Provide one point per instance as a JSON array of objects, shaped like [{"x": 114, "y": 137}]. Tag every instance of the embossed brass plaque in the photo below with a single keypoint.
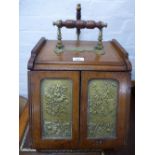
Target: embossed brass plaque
[
  {"x": 56, "y": 100},
  {"x": 102, "y": 108}
]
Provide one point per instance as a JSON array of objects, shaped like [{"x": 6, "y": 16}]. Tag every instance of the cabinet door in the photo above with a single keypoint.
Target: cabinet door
[
  {"x": 54, "y": 109},
  {"x": 104, "y": 109}
]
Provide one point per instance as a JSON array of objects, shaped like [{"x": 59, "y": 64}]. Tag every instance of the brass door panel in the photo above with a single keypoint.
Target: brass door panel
[
  {"x": 102, "y": 107},
  {"x": 56, "y": 100}
]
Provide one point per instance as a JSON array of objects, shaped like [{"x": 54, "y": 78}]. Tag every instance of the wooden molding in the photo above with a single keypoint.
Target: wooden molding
[
  {"x": 123, "y": 53},
  {"x": 35, "y": 51}
]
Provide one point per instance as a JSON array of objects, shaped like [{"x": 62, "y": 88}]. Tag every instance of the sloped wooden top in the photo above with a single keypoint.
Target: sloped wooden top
[{"x": 43, "y": 57}]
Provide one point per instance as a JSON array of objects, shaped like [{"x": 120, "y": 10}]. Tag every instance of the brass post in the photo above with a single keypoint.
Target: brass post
[
  {"x": 59, "y": 42},
  {"x": 100, "y": 38}
]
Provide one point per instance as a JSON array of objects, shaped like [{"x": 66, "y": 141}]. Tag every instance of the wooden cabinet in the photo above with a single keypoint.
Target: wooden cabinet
[{"x": 78, "y": 105}]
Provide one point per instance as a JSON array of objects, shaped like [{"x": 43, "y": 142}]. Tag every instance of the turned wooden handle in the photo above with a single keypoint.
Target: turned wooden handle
[{"x": 80, "y": 24}]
